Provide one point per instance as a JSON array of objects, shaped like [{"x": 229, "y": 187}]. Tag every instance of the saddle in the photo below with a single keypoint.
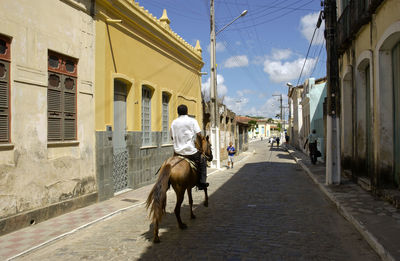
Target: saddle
[{"x": 178, "y": 158}]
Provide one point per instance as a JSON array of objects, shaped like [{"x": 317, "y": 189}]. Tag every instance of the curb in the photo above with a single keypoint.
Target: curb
[
  {"x": 368, "y": 236},
  {"x": 52, "y": 240}
]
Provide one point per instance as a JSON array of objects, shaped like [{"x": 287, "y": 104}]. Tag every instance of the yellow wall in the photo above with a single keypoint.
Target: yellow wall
[{"x": 153, "y": 58}]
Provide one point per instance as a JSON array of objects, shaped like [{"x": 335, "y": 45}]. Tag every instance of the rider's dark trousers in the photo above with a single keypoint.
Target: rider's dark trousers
[{"x": 201, "y": 165}]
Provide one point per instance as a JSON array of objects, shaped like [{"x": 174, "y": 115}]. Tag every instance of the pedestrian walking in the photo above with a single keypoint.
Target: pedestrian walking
[
  {"x": 312, "y": 146},
  {"x": 277, "y": 141},
  {"x": 231, "y": 152}
]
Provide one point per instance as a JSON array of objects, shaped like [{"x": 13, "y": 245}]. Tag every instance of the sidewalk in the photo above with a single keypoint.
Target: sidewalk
[
  {"x": 376, "y": 220},
  {"x": 36, "y": 236}
]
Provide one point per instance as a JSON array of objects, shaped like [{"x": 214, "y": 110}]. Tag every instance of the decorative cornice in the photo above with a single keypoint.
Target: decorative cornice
[{"x": 160, "y": 26}]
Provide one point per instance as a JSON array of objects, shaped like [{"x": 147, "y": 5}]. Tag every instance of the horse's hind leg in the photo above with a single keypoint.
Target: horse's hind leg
[
  {"x": 189, "y": 191},
  {"x": 179, "y": 199},
  {"x": 156, "y": 239},
  {"x": 205, "y": 198}
]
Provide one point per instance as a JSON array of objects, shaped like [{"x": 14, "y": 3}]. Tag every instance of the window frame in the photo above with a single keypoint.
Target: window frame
[
  {"x": 165, "y": 134},
  {"x": 5, "y": 111},
  {"x": 67, "y": 114},
  {"x": 146, "y": 90}
]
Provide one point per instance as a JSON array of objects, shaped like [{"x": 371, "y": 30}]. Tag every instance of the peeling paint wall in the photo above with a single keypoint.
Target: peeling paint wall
[{"x": 33, "y": 174}]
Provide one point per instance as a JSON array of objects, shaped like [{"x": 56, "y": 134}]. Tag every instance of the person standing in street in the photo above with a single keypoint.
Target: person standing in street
[
  {"x": 277, "y": 141},
  {"x": 312, "y": 145},
  {"x": 231, "y": 152},
  {"x": 184, "y": 131}
]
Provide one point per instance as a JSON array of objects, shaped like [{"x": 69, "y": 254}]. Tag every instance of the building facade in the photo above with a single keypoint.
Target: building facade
[
  {"x": 47, "y": 144},
  {"x": 231, "y": 130},
  {"x": 313, "y": 98},
  {"x": 295, "y": 130},
  {"x": 369, "y": 69},
  {"x": 143, "y": 72}
]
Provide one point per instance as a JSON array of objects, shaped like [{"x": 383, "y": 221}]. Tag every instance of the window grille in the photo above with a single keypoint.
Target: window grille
[
  {"x": 146, "y": 116},
  {"x": 165, "y": 118},
  {"x": 61, "y": 98}
]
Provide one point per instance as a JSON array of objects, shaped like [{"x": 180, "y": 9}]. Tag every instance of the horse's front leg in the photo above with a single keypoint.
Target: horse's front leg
[
  {"x": 180, "y": 193},
  {"x": 205, "y": 197},
  {"x": 189, "y": 191}
]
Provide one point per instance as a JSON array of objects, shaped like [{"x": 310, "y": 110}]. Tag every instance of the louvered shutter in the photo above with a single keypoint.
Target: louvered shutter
[
  {"x": 69, "y": 126},
  {"x": 4, "y": 99},
  {"x": 54, "y": 107}
]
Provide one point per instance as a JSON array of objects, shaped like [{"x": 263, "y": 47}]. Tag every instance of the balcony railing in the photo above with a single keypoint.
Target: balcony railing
[{"x": 356, "y": 14}]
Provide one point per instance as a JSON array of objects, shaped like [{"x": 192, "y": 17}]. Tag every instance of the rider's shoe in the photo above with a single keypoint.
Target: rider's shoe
[{"x": 202, "y": 186}]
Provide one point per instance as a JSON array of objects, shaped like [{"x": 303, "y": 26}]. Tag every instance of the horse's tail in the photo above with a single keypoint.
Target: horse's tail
[{"x": 157, "y": 198}]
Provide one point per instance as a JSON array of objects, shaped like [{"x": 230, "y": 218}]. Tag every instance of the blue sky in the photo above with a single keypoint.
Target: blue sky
[{"x": 256, "y": 55}]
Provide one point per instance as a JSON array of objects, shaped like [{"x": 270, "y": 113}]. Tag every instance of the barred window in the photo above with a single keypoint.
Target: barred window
[
  {"x": 165, "y": 118},
  {"x": 5, "y": 57},
  {"x": 146, "y": 116},
  {"x": 61, "y": 98}
]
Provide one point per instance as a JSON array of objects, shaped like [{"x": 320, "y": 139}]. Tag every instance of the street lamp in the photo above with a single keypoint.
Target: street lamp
[{"x": 213, "y": 86}]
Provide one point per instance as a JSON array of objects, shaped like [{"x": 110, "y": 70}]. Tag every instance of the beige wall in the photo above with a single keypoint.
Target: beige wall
[{"x": 34, "y": 174}]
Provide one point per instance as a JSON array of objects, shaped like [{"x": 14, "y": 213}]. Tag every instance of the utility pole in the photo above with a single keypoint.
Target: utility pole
[
  {"x": 214, "y": 95},
  {"x": 333, "y": 165},
  {"x": 280, "y": 99}
]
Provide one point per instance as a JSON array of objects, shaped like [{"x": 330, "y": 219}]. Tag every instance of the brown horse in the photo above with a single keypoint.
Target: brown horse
[{"x": 176, "y": 172}]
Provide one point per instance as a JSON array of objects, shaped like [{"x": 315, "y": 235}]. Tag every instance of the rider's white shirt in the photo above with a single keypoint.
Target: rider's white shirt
[{"x": 183, "y": 132}]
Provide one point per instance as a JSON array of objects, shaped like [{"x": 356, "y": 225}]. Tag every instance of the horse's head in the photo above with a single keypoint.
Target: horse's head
[{"x": 205, "y": 148}]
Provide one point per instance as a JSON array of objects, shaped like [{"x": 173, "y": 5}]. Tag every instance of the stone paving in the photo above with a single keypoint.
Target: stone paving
[
  {"x": 266, "y": 208},
  {"x": 378, "y": 221}
]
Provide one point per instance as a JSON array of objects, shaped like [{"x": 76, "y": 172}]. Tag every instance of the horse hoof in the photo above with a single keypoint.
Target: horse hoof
[
  {"x": 193, "y": 217},
  {"x": 183, "y": 226},
  {"x": 156, "y": 240},
  {"x": 205, "y": 203}
]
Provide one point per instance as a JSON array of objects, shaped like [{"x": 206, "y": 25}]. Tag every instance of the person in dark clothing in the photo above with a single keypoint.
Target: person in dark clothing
[
  {"x": 277, "y": 141},
  {"x": 312, "y": 146}
]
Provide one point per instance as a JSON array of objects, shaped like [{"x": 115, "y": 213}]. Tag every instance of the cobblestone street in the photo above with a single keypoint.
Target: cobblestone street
[{"x": 266, "y": 208}]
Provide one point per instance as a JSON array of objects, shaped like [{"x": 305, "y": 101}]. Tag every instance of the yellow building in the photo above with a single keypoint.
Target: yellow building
[
  {"x": 143, "y": 72},
  {"x": 369, "y": 68}
]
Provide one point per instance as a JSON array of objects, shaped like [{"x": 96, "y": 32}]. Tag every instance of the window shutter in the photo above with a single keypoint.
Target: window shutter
[
  {"x": 54, "y": 107},
  {"x": 69, "y": 84},
  {"x": 61, "y": 98},
  {"x": 4, "y": 101}
]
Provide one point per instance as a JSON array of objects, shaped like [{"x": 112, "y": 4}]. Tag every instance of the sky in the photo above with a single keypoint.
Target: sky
[{"x": 256, "y": 55}]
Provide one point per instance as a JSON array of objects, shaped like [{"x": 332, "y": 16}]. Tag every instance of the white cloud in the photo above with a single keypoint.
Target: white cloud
[
  {"x": 222, "y": 89},
  {"x": 219, "y": 47},
  {"x": 258, "y": 60},
  {"x": 281, "y": 54},
  {"x": 279, "y": 71},
  {"x": 307, "y": 27},
  {"x": 237, "y": 61}
]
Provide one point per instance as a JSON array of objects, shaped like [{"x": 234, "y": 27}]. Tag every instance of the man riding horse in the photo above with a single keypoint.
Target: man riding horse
[{"x": 184, "y": 131}]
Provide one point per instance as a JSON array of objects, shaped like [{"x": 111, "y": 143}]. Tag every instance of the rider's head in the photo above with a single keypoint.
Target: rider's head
[
  {"x": 182, "y": 110},
  {"x": 314, "y": 131}
]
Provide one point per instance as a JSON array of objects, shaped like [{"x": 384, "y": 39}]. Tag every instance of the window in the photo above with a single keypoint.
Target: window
[
  {"x": 61, "y": 98},
  {"x": 5, "y": 89},
  {"x": 165, "y": 118},
  {"x": 146, "y": 116}
]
